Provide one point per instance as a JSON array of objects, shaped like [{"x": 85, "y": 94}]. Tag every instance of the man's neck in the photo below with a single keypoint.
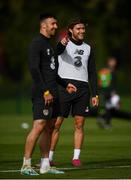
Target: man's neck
[
  {"x": 44, "y": 33},
  {"x": 77, "y": 42}
]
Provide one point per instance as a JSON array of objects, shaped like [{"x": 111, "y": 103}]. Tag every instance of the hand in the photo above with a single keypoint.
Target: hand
[
  {"x": 48, "y": 98},
  {"x": 71, "y": 88},
  {"x": 95, "y": 101},
  {"x": 65, "y": 41}
]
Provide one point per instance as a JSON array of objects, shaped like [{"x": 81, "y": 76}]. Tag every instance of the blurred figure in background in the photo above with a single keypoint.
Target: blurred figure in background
[{"x": 110, "y": 99}]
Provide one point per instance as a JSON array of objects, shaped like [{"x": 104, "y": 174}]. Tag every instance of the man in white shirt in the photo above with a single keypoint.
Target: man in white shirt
[{"x": 76, "y": 65}]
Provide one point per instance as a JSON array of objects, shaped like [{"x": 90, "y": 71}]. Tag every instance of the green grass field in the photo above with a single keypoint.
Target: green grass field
[{"x": 105, "y": 154}]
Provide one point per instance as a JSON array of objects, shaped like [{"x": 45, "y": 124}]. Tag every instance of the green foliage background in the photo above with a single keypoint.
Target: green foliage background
[{"x": 109, "y": 31}]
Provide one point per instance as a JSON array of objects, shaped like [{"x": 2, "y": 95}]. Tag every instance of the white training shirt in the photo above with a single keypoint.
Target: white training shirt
[{"x": 71, "y": 54}]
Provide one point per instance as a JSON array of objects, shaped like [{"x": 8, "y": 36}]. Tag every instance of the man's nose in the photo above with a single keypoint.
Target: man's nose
[{"x": 56, "y": 26}]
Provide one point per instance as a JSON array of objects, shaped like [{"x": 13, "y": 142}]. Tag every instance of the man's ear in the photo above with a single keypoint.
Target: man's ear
[
  {"x": 70, "y": 30},
  {"x": 43, "y": 25}
]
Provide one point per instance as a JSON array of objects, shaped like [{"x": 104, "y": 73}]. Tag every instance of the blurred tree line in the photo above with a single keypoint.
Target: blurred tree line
[{"x": 109, "y": 31}]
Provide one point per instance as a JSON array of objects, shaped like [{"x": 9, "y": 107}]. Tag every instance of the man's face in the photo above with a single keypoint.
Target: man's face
[
  {"x": 112, "y": 62},
  {"x": 50, "y": 25},
  {"x": 78, "y": 32}
]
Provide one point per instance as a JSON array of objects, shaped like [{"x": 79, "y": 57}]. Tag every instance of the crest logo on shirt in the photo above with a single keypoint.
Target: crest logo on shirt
[
  {"x": 45, "y": 112},
  {"x": 48, "y": 52},
  {"x": 52, "y": 64}
]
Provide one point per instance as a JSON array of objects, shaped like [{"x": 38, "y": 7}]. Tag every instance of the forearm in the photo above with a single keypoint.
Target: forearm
[
  {"x": 60, "y": 48},
  {"x": 93, "y": 83},
  {"x": 37, "y": 79},
  {"x": 92, "y": 75}
]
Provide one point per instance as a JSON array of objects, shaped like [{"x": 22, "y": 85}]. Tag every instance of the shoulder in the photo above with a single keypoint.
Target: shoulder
[
  {"x": 70, "y": 43},
  {"x": 91, "y": 47},
  {"x": 104, "y": 70},
  {"x": 36, "y": 42},
  {"x": 70, "y": 46},
  {"x": 87, "y": 45}
]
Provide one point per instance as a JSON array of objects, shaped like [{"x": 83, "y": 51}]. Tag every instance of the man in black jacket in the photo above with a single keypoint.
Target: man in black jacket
[{"x": 43, "y": 68}]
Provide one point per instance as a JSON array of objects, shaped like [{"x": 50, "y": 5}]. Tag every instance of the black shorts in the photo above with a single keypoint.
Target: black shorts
[
  {"x": 77, "y": 103},
  {"x": 42, "y": 111}
]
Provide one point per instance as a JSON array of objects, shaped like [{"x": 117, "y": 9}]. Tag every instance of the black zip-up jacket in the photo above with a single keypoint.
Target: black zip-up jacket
[{"x": 43, "y": 67}]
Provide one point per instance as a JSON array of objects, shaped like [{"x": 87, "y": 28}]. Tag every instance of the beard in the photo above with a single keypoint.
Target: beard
[
  {"x": 52, "y": 32},
  {"x": 78, "y": 37}
]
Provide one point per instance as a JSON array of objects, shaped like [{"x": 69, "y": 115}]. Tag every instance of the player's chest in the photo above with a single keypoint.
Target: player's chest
[
  {"x": 47, "y": 58},
  {"x": 78, "y": 52}
]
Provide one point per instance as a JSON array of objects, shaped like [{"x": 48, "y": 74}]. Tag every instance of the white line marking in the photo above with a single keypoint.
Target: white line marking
[
  {"x": 97, "y": 167},
  {"x": 73, "y": 168},
  {"x": 11, "y": 170}
]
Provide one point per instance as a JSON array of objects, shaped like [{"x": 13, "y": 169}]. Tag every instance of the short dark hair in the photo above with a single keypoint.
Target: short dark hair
[
  {"x": 75, "y": 21},
  {"x": 44, "y": 16}
]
